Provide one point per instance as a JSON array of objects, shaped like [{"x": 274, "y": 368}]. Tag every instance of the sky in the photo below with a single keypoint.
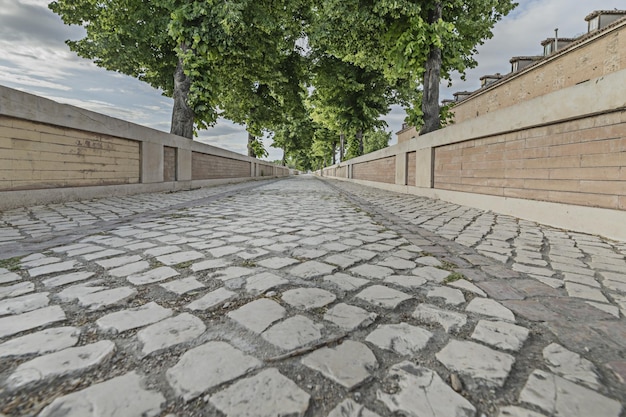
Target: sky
[{"x": 35, "y": 59}]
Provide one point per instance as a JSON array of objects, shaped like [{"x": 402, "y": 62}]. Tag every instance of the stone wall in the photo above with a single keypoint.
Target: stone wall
[
  {"x": 559, "y": 159},
  {"x": 51, "y": 152}
]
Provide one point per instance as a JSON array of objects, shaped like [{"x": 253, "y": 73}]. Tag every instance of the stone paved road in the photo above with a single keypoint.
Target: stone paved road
[{"x": 304, "y": 297}]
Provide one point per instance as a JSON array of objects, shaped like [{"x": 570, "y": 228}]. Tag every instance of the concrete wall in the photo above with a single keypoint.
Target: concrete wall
[
  {"x": 51, "y": 152},
  {"x": 558, "y": 159}
]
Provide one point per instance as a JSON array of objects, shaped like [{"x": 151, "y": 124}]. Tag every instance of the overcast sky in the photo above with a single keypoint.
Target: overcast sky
[{"x": 35, "y": 59}]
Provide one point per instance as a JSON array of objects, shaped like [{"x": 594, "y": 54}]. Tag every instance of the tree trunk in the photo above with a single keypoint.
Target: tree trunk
[
  {"x": 342, "y": 146},
  {"x": 359, "y": 138},
  {"x": 250, "y": 148},
  {"x": 283, "y": 162},
  {"x": 432, "y": 75},
  {"x": 334, "y": 143},
  {"x": 182, "y": 114}
]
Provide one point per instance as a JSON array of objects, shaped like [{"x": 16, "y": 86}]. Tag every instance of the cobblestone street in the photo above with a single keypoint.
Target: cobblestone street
[{"x": 305, "y": 297}]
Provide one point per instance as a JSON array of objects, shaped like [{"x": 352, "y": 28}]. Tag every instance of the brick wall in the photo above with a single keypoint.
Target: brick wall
[
  {"x": 580, "y": 162},
  {"x": 169, "y": 163},
  {"x": 37, "y": 155},
  {"x": 599, "y": 55},
  {"x": 379, "y": 170},
  {"x": 205, "y": 166}
]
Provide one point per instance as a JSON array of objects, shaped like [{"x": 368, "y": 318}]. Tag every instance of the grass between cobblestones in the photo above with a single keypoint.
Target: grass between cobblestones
[
  {"x": 183, "y": 265},
  {"x": 447, "y": 266},
  {"x": 455, "y": 276},
  {"x": 11, "y": 264}
]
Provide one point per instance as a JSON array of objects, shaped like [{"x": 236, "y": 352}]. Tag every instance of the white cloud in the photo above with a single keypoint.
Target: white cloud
[
  {"x": 226, "y": 135},
  {"x": 40, "y": 3},
  {"x": 103, "y": 90},
  {"x": 17, "y": 77}
]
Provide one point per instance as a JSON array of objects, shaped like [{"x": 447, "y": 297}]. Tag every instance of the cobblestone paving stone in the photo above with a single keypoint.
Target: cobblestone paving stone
[{"x": 305, "y": 297}]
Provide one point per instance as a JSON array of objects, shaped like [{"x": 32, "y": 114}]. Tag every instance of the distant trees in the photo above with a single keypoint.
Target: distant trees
[
  {"x": 306, "y": 73},
  {"x": 349, "y": 99}
]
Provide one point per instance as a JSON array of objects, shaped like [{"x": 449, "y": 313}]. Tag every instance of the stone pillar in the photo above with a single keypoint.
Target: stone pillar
[
  {"x": 151, "y": 162},
  {"x": 183, "y": 165},
  {"x": 401, "y": 168},
  {"x": 424, "y": 168}
]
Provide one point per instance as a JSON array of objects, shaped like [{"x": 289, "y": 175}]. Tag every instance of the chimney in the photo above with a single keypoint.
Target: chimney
[
  {"x": 518, "y": 63},
  {"x": 600, "y": 19},
  {"x": 486, "y": 80},
  {"x": 461, "y": 95}
]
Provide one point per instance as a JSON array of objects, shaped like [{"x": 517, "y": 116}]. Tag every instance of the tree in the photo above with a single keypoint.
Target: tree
[
  {"x": 293, "y": 135},
  {"x": 195, "y": 51},
  {"x": 268, "y": 100},
  {"x": 323, "y": 148},
  {"x": 421, "y": 41},
  {"x": 349, "y": 99},
  {"x": 244, "y": 59},
  {"x": 131, "y": 37},
  {"x": 251, "y": 48},
  {"x": 375, "y": 140}
]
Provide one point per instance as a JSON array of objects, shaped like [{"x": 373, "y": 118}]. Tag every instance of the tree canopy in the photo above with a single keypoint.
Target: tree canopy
[
  {"x": 409, "y": 39},
  {"x": 305, "y": 73}
]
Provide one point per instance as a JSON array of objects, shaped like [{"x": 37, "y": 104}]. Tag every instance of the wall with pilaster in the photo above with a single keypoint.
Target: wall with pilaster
[
  {"x": 51, "y": 152},
  {"x": 559, "y": 159}
]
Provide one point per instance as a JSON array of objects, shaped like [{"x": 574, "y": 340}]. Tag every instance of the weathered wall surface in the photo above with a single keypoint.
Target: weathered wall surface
[
  {"x": 35, "y": 155},
  {"x": 51, "y": 152}
]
